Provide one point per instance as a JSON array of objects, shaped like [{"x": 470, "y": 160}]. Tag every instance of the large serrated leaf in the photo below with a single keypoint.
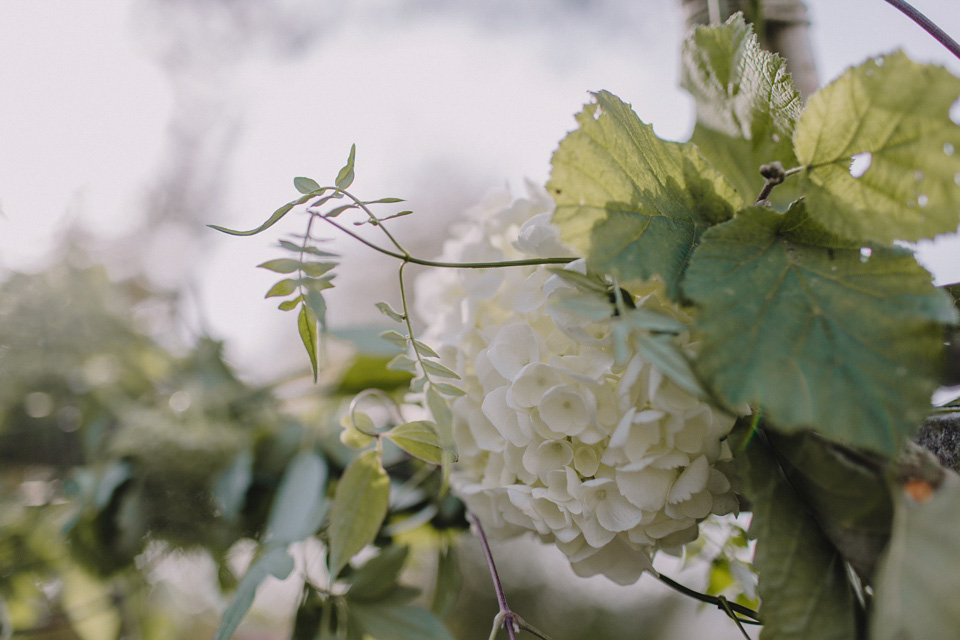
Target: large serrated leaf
[
  {"x": 805, "y": 326},
  {"x": 747, "y": 106},
  {"x": 918, "y": 581},
  {"x": 633, "y": 204},
  {"x": 359, "y": 507},
  {"x": 804, "y": 593},
  {"x": 297, "y": 508},
  {"x": 275, "y": 562},
  {"x": 898, "y": 112}
]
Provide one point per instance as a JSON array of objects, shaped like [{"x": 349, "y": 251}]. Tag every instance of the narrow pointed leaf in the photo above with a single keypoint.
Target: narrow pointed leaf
[
  {"x": 280, "y": 265},
  {"x": 333, "y": 213},
  {"x": 385, "y": 201},
  {"x": 317, "y": 269},
  {"x": 425, "y": 350},
  {"x": 277, "y": 563},
  {"x": 286, "y": 244},
  {"x": 401, "y": 362},
  {"x": 298, "y": 501},
  {"x": 289, "y": 305},
  {"x": 359, "y": 507},
  {"x": 448, "y": 581},
  {"x": 345, "y": 177},
  {"x": 420, "y": 439},
  {"x": 282, "y": 288},
  {"x": 447, "y": 389},
  {"x": 898, "y": 112},
  {"x": 438, "y": 369},
  {"x": 665, "y": 355},
  {"x": 272, "y": 220},
  {"x": 307, "y": 326},
  {"x": 306, "y": 185},
  {"x": 804, "y": 325},
  {"x": 395, "y": 337},
  {"x": 634, "y": 205}
]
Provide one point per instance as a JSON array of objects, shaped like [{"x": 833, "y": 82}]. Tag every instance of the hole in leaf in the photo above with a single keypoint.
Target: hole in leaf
[
  {"x": 865, "y": 253},
  {"x": 861, "y": 162},
  {"x": 918, "y": 175},
  {"x": 948, "y": 148},
  {"x": 922, "y": 200},
  {"x": 776, "y": 137}
]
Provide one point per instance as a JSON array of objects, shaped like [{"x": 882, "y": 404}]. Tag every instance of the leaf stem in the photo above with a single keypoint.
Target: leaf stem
[
  {"x": 754, "y": 617},
  {"x": 506, "y": 617},
  {"x": 927, "y": 25}
]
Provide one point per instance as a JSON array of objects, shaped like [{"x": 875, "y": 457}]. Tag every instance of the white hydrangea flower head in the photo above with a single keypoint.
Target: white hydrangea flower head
[{"x": 608, "y": 461}]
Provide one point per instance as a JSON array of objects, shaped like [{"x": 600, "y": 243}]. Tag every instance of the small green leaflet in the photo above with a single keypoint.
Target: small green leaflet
[
  {"x": 804, "y": 593},
  {"x": 918, "y": 582},
  {"x": 306, "y": 186},
  {"x": 298, "y": 505},
  {"x": 280, "y": 265},
  {"x": 282, "y": 288},
  {"x": 898, "y": 112},
  {"x": 359, "y": 507},
  {"x": 307, "y": 326},
  {"x": 815, "y": 332},
  {"x": 419, "y": 438},
  {"x": 345, "y": 177},
  {"x": 275, "y": 562},
  {"x": 633, "y": 204},
  {"x": 747, "y": 106},
  {"x": 446, "y": 588},
  {"x": 272, "y": 220}
]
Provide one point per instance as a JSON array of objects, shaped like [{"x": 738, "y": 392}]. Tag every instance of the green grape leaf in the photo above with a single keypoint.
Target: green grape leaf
[
  {"x": 804, "y": 592},
  {"x": 345, "y": 176},
  {"x": 281, "y": 265},
  {"x": 306, "y": 185},
  {"x": 307, "y": 325},
  {"x": 898, "y": 112},
  {"x": 272, "y": 220},
  {"x": 747, "y": 106},
  {"x": 282, "y": 288},
  {"x": 399, "y": 623},
  {"x": 378, "y": 576},
  {"x": 298, "y": 505},
  {"x": 359, "y": 507},
  {"x": 815, "y": 332},
  {"x": 634, "y": 205},
  {"x": 844, "y": 490},
  {"x": 275, "y": 562},
  {"x": 419, "y": 438},
  {"x": 918, "y": 582}
]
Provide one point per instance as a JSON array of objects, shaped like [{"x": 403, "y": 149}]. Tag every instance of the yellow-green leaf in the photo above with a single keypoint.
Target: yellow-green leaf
[
  {"x": 359, "y": 507},
  {"x": 307, "y": 325},
  {"x": 419, "y": 438}
]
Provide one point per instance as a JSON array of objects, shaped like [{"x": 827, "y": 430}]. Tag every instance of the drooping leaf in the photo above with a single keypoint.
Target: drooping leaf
[
  {"x": 378, "y": 576},
  {"x": 345, "y": 176},
  {"x": 918, "y": 581},
  {"x": 399, "y": 623},
  {"x": 280, "y": 265},
  {"x": 446, "y": 587},
  {"x": 898, "y": 112},
  {"x": 272, "y": 220},
  {"x": 359, "y": 507},
  {"x": 633, "y": 204},
  {"x": 747, "y": 106},
  {"x": 388, "y": 311},
  {"x": 297, "y": 506},
  {"x": 336, "y": 211},
  {"x": 316, "y": 303},
  {"x": 846, "y": 493},
  {"x": 809, "y": 328},
  {"x": 306, "y": 185},
  {"x": 275, "y": 562},
  {"x": 282, "y": 288},
  {"x": 419, "y": 438},
  {"x": 804, "y": 593},
  {"x": 307, "y": 326}
]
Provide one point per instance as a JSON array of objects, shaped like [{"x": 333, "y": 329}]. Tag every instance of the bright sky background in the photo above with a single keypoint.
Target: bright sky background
[{"x": 116, "y": 112}]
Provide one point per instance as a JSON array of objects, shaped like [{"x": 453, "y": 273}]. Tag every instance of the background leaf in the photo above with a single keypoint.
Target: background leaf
[
  {"x": 399, "y": 623},
  {"x": 275, "y": 562},
  {"x": 747, "y": 106},
  {"x": 297, "y": 506},
  {"x": 359, "y": 507},
  {"x": 272, "y": 220},
  {"x": 918, "y": 585},
  {"x": 898, "y": 112},
  {"x": 804, "y": 593},
  {"x": 801, "y": 324},
  {"x": 378, "y": 576},
  {"x": 633, "y": 204}
]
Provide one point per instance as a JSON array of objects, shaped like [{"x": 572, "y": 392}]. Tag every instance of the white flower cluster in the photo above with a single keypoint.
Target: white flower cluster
[{"x": 609, "y": 462}]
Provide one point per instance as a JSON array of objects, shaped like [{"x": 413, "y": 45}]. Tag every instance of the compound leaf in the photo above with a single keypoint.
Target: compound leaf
[
  {"x": 359, "y": 507},
  {"x": 815, "y": 332},
  {"x": 897, "y": 113},
  {"x": 634, "y": 205}
]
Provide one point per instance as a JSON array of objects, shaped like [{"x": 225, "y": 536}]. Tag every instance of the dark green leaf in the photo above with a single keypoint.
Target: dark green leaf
[
  {"x": 307, "y": 325},
  {"x": 399, "y": 623},
  {"x": 419, "y": 439},
  {"x": 282, "y": 288},
  {"x": 275, "y": 562},
  {"x": 388, "y": 311},
  {"x": 306, "y": 185},
  {"x": 898, "y": 112},
  {"x": 747, "y": 106},
  {"x": 272, "y": 220},
  {"x": 345, "y": 177},
  {"x": 298, "y": 503},
  {"x": 378, "y": 576},
  {"x": 805, "y": 326},
  {"x": 281, "y": 265},
  {"x": 916, "y": 594},
  {"x": 633, "y": 204},
  {"x": 359, "y": 507},
  {"x": 804, "y": 592}
]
